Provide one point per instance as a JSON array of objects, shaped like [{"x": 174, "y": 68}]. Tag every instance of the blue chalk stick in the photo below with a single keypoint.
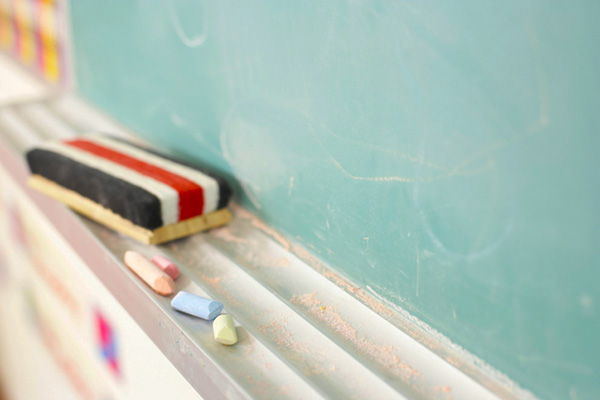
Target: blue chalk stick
[{"x": 197, "y": 306}]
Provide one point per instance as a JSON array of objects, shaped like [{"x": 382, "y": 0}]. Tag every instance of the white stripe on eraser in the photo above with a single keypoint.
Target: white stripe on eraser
[{"x": 209, "y": 184}]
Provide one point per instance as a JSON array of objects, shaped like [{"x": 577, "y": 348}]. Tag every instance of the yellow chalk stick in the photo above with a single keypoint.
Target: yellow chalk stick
[{"x": 224, "y": 330}]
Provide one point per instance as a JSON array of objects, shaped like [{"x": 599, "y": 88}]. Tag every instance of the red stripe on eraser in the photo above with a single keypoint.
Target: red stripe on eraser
[{"x": 191, "y": 195}]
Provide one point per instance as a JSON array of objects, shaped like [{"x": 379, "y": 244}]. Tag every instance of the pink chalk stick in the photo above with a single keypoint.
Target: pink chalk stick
[{"x": 166, "y": 265}]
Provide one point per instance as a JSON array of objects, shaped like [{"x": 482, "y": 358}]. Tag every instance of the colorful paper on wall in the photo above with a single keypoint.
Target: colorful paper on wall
[{"x": 33, "y": 31}]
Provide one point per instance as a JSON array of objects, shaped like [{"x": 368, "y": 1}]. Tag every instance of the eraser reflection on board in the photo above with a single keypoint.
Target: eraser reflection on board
[
  {"x": 197, "y": 306},
  {"x": 166, "y": 265},
  {"x": 224, "y": 330},
  {"x": 159, "y": 281}
]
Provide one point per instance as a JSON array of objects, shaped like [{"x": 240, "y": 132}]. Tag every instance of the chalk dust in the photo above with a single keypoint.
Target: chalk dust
[
  {"x": 213, "y": 282},
  {"x": 308, "y": 299},
  {"x": 308, "y": 361},
  {"x": 265, "y": 389},
  {"x": 280, "y": 335},
  {"x": 225, "y": 234},
  {"x": 359, "y": 293},
  {"x": 445, "y": 391},
  {"x": 243, "y": 214},
  {"x": 301, "y": 252},
  {"x": 383, "y": 354}
]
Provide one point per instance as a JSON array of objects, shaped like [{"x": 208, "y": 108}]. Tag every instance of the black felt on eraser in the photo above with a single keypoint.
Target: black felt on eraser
[{"x": 141, "y": 185}]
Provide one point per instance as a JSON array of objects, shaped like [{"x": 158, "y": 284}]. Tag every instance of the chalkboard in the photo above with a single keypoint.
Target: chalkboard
[{"x": 442, "y": 155}]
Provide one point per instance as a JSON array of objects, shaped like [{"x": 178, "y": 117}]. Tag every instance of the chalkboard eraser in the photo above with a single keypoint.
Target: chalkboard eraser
[{"x": 149, "y": 196}]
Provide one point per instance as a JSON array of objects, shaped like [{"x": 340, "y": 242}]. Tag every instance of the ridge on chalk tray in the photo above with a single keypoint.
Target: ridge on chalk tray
[{"x": 134, "y": 190}]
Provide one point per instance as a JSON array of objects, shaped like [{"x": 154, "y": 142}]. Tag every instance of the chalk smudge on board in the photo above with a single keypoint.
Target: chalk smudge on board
[
  {"x": 291, "y": 186},
  {"x": 189, "y": 41}
]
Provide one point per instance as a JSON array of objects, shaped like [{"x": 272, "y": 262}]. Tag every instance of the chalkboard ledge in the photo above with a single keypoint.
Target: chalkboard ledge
[{"x": 304, "y": 331}]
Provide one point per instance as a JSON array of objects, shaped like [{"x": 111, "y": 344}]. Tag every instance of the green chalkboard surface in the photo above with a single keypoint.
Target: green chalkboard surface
[{"x": 443, "y": 155}]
